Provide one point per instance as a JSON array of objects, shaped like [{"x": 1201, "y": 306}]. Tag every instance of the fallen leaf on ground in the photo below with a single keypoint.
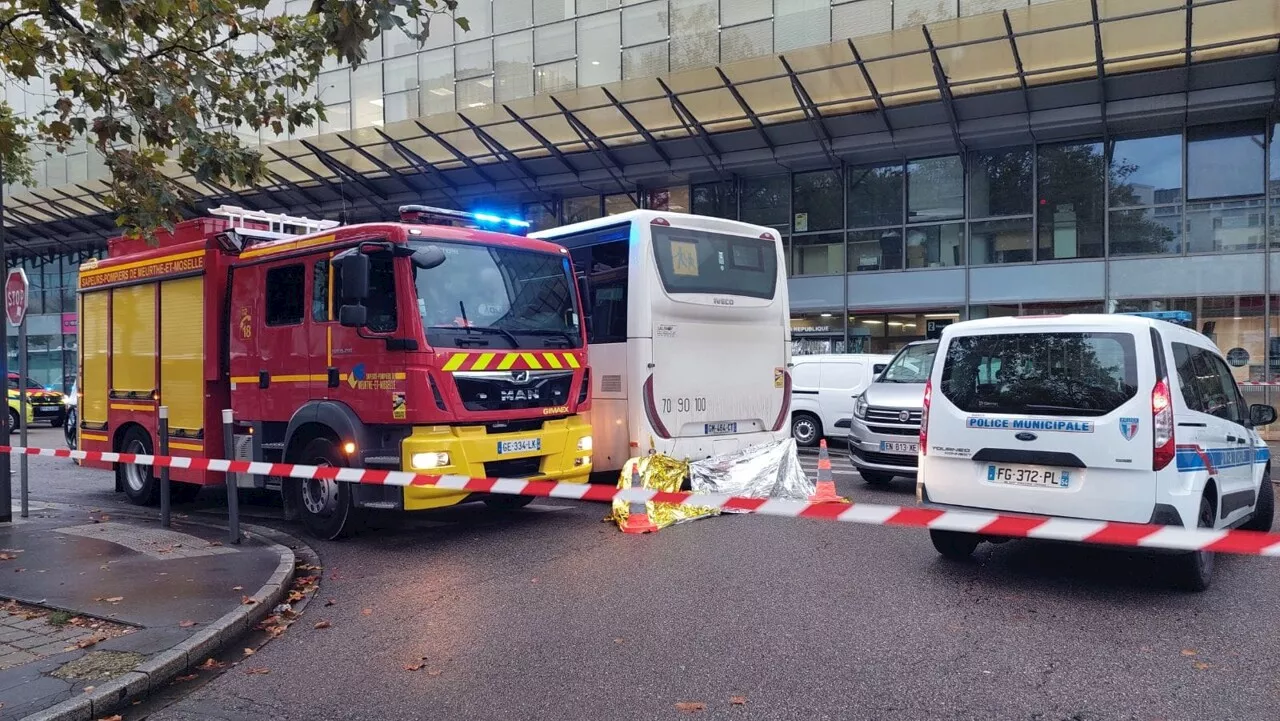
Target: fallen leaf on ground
[
  {"x": 738, "y": 700},
  {"x": 258, "y": 671},
  {"x": 619, "y": 640},
  {"x": 249, "y": 652},
  {"x": 7, "y": 556},
  {"x": 186, "y": 624},
  {"x": 114, "y": 599},
  {"x": 116, "y": 717},
  {"x": 691, "y": 706},
  {"x": 188, "y": 677},
  {"x": 215, "y": 543},
  {"x": 247, "y": 601},
  {"x": 309, "y": 567},
  {"x": 323, "y": 624},
  {"x": 413, "y": 666},
  {"x": 1201, "y": 666},
  {"x": 294, "y": 596},
  {"x": 434, "y": 672},
  {"x": 212, "y": 664},
  {"x": 330, "y": 602},
  {"x": 366, "y": 611},
  {"x": 237, "y": 588},
  {"x": 88, "y": 689},
  {"x": 1188, "y": 652}
]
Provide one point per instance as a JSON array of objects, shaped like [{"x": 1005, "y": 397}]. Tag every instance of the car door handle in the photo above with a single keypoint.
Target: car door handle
[{"x": 1233, "y": 439}]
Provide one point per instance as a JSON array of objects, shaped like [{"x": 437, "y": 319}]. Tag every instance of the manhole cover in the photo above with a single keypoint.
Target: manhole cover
[{"x": 97, "y": 665}]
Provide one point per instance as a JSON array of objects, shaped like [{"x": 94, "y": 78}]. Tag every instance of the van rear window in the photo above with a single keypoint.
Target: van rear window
[{"x": 1047, "y": 374}]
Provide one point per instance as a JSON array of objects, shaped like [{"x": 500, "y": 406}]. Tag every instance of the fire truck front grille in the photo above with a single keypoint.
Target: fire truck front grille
[
  {"x": 514, "y": 468},
  {"x": 513, "y": 390}
]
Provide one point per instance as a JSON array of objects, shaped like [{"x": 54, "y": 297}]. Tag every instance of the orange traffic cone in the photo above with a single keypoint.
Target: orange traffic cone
[
  {"x": 826, "y": 490},
  {"x": 637, "y": 515}
]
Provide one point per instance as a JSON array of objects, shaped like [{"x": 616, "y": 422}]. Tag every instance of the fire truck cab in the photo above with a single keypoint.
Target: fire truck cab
[{"x": 428, "y": 345}]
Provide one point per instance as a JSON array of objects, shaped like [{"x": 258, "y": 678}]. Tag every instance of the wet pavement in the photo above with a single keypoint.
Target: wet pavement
[{"x": 157, "y": 587}]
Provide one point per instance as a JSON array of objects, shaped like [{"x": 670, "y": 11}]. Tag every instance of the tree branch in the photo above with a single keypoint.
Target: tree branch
[{"x": 17, "y": 16}]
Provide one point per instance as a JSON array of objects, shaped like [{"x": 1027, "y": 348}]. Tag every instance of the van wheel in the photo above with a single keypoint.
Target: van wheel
[
  {"x": 138, "y": 481},
  {"x": 806, "y": 429},
  {"x": 1264, "y": 511},
  {"x": 327, "y": 509},
  {"x": 507, "y": 502},
  {"x": 874, "y": 478},
  {"x": 1193, "y": 571},
  {"x": 954, "y": 545}
]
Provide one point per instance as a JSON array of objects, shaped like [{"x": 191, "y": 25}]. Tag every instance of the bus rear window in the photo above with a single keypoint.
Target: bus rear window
[
  {"x": 697, "y": 261},
  {"x": 1050, "y": 374}
]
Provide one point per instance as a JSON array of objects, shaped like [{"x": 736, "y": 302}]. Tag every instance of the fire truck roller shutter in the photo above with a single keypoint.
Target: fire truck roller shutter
[
  {"x": 182, "y": 352},
  {"x": 133, "y": 339},
  {"x": 93, "y": 350}
]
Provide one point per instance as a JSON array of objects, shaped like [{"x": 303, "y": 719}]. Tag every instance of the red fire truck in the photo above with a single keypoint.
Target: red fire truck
[{"x": 431, "y": 344}]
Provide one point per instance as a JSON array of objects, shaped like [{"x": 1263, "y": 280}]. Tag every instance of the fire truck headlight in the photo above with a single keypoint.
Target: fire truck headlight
[
  {"x": 584, "y": 443},
  {"x": 428, "y": 461}
]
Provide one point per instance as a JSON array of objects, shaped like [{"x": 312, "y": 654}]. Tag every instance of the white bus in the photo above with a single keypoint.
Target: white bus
[{"x": 689, "y": 333}]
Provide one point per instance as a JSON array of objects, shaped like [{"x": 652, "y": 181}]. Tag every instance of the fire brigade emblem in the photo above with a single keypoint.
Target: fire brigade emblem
[
  {"x": 356, "y": 375},
  {"x": 246, "y": 323}
]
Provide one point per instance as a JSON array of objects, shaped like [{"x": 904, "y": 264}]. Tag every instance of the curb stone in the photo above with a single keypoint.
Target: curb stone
[{"x": 161, "y": 668}]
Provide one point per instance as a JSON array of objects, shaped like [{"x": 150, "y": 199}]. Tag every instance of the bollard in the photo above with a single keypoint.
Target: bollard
[
  {"x": 23, "y": 405},
  {"x": 233, "y": 493},
  {"x": 165, "y": 492}
]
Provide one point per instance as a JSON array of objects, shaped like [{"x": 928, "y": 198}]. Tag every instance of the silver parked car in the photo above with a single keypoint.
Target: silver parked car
[{"x": 884, "y": 436}]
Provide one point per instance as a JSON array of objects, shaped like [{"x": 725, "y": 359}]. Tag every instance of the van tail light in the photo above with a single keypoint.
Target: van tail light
[
  {"x": 1164, "y": 448},
  {"x": 651, "y": 411},
  {"x": 924, "y": 417}
]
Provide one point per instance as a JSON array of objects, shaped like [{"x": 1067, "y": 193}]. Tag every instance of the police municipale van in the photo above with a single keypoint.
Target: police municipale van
[{"x": 1098, "y": 417}]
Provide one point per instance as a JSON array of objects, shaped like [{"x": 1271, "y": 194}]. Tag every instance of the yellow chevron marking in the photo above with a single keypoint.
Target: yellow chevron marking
[
  {"x": 532, "y": 360},
  {"x": 508, "y": 360},
  {"x": 455, "y": 362},
  {"x": 552, "y": 360},
  {"x": 483, "y": 361},
  {"x": 571, "y": 360}
]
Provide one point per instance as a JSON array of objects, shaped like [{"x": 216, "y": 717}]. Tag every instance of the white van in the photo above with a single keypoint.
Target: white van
[
  {"x": 822, "y": 391},
  {"x": 1099, "y": 417}
]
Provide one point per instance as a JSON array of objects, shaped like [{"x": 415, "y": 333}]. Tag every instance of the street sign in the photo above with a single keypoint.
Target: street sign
[{"x": 15, "y": 296}]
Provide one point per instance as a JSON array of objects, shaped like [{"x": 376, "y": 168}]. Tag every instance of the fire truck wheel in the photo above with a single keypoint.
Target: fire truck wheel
[
  {"x": 138, "y": 481},
  {"x": 506, "y": 502},
  {"x": 326, "y": 506}
]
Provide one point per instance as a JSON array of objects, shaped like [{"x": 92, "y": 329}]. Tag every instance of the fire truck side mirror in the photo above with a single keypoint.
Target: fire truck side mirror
[
  {"x": 353, "y": 316},
  {"x": 428, "y": 257},
  {"x": 355, "y": 277},
  {"x": 584, "y": 292}
]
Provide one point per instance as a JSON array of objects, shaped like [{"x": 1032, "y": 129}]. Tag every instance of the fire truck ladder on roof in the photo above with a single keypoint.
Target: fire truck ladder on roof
[{"x": 278, "y": 225}]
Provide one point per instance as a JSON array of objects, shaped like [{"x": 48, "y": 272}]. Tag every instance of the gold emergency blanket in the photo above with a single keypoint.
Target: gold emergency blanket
[{"x": 659, "y": 473}]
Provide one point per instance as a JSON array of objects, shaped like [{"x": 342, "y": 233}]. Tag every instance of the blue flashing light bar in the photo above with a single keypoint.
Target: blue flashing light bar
[
  {"x": 1181, "y": 317},
  {"x": 445, "y": 216}
]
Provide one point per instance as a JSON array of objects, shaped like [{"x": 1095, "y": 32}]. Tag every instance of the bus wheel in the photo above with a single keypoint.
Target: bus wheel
[
  {"x": 806, "y": 429},
  {"x": 326, "y": 506},
  {"x": 138, "y": 481}
]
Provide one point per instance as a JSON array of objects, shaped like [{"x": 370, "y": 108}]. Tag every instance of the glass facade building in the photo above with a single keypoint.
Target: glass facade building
[{"x": 925, "y": 161}]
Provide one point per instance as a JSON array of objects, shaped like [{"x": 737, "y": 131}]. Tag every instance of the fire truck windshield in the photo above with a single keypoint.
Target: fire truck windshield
[{"x": 498, "y": 297}]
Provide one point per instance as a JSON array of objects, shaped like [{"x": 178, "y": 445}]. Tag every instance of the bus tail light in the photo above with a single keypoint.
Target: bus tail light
[
  {"x": 651, "y": 411},
  {"x": 924, "y": 417},
  {"x": 786, "y": 402},
  {"x": 1163, "y": 446},
  {"x": 660, "y": 221}
]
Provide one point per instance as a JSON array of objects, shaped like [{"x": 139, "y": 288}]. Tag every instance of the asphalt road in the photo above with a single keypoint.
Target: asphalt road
[{"x": 551, "y": 614}]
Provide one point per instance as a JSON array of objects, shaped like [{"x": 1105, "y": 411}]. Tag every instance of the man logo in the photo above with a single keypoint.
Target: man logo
[
  {"x": 520, "y": 377},
  {"x": 510, "y": 396}
]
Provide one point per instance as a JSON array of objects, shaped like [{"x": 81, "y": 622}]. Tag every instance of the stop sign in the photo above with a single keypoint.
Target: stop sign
[{"x": 15, "y": 296}]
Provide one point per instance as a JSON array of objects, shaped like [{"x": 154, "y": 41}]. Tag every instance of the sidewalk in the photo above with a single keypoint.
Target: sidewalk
[{"x": 96, "y": 610}]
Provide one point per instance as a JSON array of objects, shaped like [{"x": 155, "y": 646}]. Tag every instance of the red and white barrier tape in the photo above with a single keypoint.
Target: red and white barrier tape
[{"x": 1138, "y": 535}]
